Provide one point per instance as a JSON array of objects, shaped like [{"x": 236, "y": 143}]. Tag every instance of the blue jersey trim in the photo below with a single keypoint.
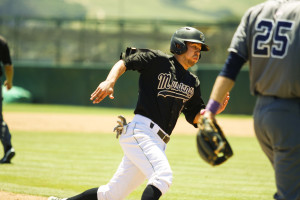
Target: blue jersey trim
[{"x": 232, "y": 66}]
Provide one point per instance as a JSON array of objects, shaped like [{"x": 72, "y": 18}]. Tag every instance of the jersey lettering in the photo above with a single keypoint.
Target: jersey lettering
[
  {"x": 173, "y": 89},
  {"x": 164, "y": 80},
  {"x": 271, "y": 38}
]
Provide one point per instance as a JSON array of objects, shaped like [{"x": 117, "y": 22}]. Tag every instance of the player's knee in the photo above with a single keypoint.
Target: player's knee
[
  {"x": 105, "y": 193},
  {"x": 162, "y": 181}
]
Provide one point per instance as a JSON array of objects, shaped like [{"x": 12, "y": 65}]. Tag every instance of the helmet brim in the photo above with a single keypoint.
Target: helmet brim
[{"x": 204, "y": 46}]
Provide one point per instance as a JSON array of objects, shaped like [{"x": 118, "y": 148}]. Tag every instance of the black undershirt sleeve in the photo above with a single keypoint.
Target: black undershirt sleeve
[
  {"x": 4, "y": 54},
  {"x": 232, "y": 66}
]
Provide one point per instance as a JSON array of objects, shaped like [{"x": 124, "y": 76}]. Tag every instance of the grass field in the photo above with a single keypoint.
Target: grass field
[{"x": 64, "y": 164}]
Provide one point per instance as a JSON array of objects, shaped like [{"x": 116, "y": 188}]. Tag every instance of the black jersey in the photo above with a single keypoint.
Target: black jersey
[
  {"x": 165, "y": 88},
  {"x": 4, "y": 54}
]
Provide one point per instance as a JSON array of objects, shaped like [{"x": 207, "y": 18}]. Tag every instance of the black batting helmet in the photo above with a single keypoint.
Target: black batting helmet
[{"x": 186, "y": 34}]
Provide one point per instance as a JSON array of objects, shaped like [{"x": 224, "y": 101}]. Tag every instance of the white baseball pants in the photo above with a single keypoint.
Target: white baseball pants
[{"x": 144, "y": 158}]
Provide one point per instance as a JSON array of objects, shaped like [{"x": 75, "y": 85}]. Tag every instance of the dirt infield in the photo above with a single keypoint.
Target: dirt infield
[
  {"x": 12, "y": 196},
  {"x": 20, "y": 121},
  {"x": 98, "y": 124}
]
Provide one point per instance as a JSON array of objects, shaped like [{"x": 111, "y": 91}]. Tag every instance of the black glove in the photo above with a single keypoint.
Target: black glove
[{"x": 212, "y": 145}]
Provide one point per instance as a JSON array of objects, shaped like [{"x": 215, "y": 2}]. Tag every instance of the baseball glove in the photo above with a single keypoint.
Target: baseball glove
[
  {"x": 121, "y": 127},
  {"x": 212, "y": 144}
]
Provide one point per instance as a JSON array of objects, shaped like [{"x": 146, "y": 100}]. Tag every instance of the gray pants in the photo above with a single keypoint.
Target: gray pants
[{"x": 277, "y": 127}]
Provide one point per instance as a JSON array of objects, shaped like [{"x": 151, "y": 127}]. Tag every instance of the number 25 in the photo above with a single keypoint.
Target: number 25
[{"x": 262, "y": 45}]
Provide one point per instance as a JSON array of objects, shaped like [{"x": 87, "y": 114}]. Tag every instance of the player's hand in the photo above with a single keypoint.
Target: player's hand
[
  {"x": 224, "y": 104},
  {"x": 209, "y": 115},
  {"x": 105, "y": 88},
  {"x": 8, "y": 84}
]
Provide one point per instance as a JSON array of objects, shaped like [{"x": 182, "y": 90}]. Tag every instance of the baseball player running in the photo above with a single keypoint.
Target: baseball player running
[
  {"x": 269, "y": 37},
  {"x": 5, "y": 135},
  {"x": 166, "y": 89}
]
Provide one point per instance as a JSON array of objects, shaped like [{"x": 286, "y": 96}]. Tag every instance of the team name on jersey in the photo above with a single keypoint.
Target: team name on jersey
[{"x": 173, "y": 88}]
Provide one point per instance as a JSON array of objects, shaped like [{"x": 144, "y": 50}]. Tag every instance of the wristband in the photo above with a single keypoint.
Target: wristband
[{"x": 213, "y": 106}]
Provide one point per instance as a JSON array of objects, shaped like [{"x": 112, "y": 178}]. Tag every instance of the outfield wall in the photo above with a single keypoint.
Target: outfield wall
[{"x": 71, "y": 85}]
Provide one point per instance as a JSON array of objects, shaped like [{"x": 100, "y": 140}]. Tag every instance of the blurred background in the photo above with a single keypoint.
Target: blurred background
[{"x": 62, "y": 49}]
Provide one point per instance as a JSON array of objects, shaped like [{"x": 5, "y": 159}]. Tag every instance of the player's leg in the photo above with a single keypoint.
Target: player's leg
[
  {"x": 127, "y": 178},
  {"x": 151, "y": 193},
  {"x": 90, "y": 194},
  {"x": 145, "y": 149},
  {"x": 284, "y": 122},
  {"x": 263, "y": 138},
  {"x": 5, "y": 138},
  {"x": 281, "y": 119}
]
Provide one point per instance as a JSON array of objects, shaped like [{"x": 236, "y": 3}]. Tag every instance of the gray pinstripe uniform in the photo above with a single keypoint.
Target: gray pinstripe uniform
[{"x": 269, "y": 38}]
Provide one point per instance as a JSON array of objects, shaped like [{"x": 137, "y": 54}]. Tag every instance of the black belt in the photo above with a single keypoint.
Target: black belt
[{"x": 161, "y": 134}]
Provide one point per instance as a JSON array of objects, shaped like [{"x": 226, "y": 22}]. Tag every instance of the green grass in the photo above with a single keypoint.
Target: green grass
[{"x": 64, "y": 164}]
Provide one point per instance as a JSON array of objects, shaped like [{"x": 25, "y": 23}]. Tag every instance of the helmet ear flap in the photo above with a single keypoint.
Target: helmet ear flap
[{"x": 177, "y": 46}]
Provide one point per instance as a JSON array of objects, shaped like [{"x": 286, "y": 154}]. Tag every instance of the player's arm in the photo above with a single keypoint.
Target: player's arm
[
  {"x": 221, "y": 87},
  {"x": 221, "y": 108},
  {"x": 9, "y": 74},
  {"x": 107, "y": 87},
  {"x": 224, "y": 83},
  {"x": 8, "y": 66}
]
